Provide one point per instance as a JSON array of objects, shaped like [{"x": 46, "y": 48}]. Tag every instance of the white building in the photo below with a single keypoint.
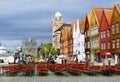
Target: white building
[
  {"x": 3, "y": 49},
  {"x": 78, "y": 40}
]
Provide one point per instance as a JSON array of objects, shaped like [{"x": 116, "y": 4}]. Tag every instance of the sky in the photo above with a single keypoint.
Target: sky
[{"x": 23, "y": 19}]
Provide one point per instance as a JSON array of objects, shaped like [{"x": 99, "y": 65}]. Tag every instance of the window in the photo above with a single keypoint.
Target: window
[
  {"x": 118, "y": 25},
  {"x": 113, "y": 44},
  {"x": 108, "y": 33},
  {"x": 85, "y": 46},
  {"x": 113, "y": 29},
  {"x": 117, "y": 28},
  {"x": 101, "y": 34},
  {"x": 95, "y": 44},
  {"x": 104, "y": 34},
  {"x": 108, "y": 45},
  {"x": 104, "y": 46},
  {"x": 101, "y": 46},
  {"x": 118, "y": 43}
]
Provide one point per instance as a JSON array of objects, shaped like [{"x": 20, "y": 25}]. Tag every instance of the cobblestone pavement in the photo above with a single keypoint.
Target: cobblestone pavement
[{"x": 60, "y": 79}]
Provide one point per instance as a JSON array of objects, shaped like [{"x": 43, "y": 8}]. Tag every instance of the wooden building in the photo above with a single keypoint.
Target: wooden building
[
  {"x": 104, "y": 30},
  {"x": 115, "y": 26}
]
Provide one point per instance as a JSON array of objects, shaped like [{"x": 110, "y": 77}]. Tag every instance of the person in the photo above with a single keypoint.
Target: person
[
  {"x": 76, "y": 59},
  {"x": 17, "y": 60}
]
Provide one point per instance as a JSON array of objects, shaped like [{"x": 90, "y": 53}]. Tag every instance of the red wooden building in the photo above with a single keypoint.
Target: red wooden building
[
  {"x": 104, "y": 30},
  {"x": 87, "y": 38}
]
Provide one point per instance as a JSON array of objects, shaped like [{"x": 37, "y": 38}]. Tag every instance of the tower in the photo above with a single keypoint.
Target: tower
[{"x": 56, "y": 23}]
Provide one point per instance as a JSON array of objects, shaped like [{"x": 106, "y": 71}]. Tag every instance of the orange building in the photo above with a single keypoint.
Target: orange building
[{"x": 65, "y": 39}]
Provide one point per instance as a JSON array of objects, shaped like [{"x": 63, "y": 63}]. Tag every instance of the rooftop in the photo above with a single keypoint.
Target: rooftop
[
  {"x": 98, "y": 13},
  {"x": 108, "y": 14},
  {"x": 82, "y": 25}
]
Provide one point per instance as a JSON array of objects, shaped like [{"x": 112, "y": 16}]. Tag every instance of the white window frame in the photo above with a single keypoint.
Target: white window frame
[
  {"x": 113, "y": 44},
  {"x": 117, "y": 43},
  {"x": 108, "y": 45},
  {"x": 113, "y": 29}
]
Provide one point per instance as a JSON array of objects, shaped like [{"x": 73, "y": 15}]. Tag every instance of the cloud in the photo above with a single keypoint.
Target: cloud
[{"x": 22, "y": 19}]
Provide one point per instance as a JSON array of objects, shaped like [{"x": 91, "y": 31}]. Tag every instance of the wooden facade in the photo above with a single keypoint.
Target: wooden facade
[
  {"x": 104, "y": 30},
  {"x": 115, "y": 26},
  {"x": 94, "y": 34},
  {"x": 87, "y": 38},
  {"x": 65, "y": 39}
]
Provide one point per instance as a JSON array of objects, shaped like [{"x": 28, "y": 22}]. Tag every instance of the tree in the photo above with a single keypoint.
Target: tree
[
  {"x": 46, "y": 49},
  {"x": 58, "y": 51},
  {"x": 52, "y": 51}
]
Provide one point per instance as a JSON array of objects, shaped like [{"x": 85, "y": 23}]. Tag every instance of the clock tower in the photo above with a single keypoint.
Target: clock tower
[{"x": 56, "y": 23}]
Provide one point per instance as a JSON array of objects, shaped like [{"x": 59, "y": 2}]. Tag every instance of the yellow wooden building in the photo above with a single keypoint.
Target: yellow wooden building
[{"x": 94, "y": 34}]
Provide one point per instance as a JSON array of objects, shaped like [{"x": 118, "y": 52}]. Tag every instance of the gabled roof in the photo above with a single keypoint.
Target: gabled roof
[
  {"x": 118, "y": 6},
  {"x": 87, "y": 20},
  {"x": 98, "y": 13},
  {"x": 82, "y": 25},
  {"x": 108, "y": 14},
  {"x": 89, "y": 17}
]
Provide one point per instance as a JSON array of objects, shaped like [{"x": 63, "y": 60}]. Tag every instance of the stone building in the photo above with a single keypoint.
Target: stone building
[
  {"x": 29, "y": 47},
  {"x": 56, "y": 23}
]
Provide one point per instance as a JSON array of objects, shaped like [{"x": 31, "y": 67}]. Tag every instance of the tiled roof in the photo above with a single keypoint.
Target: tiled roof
[
  {"x": 98, "y": 13},
  {"x": 118, "y": 5},
  {"x": 88, "y": 16},
  {"x": 87, "y": 20},
  {"x": 82, "y": 25},
  {"x": 108, "y": 14}
]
